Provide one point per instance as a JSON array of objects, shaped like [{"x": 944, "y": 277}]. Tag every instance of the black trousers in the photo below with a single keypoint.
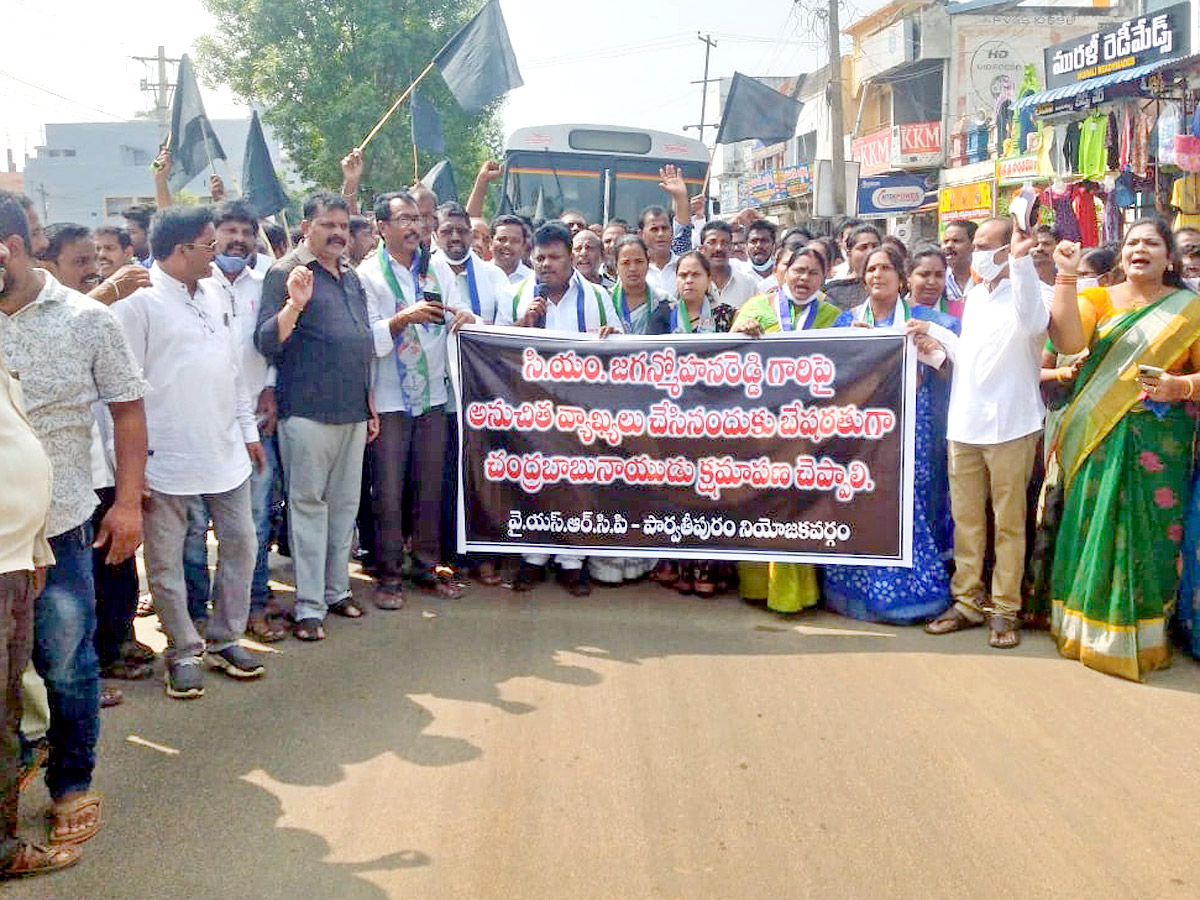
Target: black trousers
[{"x": 116, "y": 592}]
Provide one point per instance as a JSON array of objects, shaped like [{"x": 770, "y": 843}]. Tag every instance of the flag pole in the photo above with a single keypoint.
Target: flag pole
[
  {"x": 412, "y": 129},
  {"x": 395, "y": 106},
  {"x": 287, "y": 232}
]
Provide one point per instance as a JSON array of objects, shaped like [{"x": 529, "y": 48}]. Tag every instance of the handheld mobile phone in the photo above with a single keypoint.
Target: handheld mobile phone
[{"x": 1149, "y": 371}]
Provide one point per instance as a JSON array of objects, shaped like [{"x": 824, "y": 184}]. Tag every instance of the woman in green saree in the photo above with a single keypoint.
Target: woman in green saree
[{"x": 1124, "y": 444}]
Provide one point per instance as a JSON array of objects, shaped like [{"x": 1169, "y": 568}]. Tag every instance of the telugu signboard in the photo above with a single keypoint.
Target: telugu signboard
[
  {"x": 794, "y": 447},
  {"x": 1017, "y": 169},
  {"x": 1161, "y": 35},
  {"x": 973, "y": 202}
]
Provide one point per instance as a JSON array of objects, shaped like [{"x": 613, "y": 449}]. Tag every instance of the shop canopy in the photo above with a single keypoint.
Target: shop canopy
[{"x": 1091, "y": 84}]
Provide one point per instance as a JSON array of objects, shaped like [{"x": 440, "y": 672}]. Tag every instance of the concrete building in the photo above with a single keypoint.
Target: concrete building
[{"x": 87, "y": 172}]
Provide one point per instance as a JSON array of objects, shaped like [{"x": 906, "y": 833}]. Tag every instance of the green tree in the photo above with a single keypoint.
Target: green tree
[{"x": 327, "y": 70}]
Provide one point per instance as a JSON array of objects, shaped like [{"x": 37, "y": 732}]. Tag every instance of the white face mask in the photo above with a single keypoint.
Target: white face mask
[
  {"x": 1193, "y": 284},
  {"x": 1084, "y": 283},
  {"x": 984, "y": 264}
]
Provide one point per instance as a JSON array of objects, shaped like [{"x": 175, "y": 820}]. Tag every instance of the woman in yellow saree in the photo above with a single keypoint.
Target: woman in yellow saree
[{"x": 1125, "y": 447}]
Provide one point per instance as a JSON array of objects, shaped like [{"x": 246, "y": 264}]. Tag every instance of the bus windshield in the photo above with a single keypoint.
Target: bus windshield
[{"x": 604, "y": 172}]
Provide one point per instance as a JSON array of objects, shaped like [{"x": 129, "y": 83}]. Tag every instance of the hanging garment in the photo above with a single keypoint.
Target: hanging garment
[
  {"x": 1071, "y": 147},
  {"x": 1112, "y": 144},
  {"x": 1185, "y": 196},
  {"x": 1092, "y": 161},
  {"x": 1045, "y": 165},
  {"x": 1124, "y": 152},
  {"x": 1113, "y": 218},
  {"x": 1058, "y": 154},
  {"x": 1064, "y": 216},
  {"x": 1170, "y": 123},
  {"x": 1139, "y": 153},
  {"x": 1083, "y": 205},
  {"x": 1003, "y": 121}
]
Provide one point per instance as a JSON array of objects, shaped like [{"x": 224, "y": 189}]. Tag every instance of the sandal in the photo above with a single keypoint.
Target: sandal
[
  {"x": 265, "y": 629},
  {"x": 665, "y": 573},
  {"x": 952, "y": 619},
  {"x": 440, "y": 581},
  {"x": 488, "y": 575},
  {"x": 75, "y": 812},
  {"x": 111, "y": 696},
  {"x": 128, "y": 670},
  {"x": 703, "y": 584},
  {"x": 347, "y": 608},
  {"x": 309, "y": 630},
  {"x": 135, "y": 651},
  {"x": 34, "y": 859},
  {"x": 1004, "y": 634}
]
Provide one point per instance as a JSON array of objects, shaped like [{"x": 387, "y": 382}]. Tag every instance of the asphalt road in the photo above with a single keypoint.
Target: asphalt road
[{"x": 641, "y": 745}]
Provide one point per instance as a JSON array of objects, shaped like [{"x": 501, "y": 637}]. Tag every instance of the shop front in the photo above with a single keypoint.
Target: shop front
[{"x": 1111, "y": 138}]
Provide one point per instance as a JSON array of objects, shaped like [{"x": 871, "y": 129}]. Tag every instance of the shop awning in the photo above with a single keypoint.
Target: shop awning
[{"x": 1091, "y": 84}]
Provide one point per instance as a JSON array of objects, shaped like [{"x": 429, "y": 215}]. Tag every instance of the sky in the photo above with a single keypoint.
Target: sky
[{"x": 629, "y": 62}]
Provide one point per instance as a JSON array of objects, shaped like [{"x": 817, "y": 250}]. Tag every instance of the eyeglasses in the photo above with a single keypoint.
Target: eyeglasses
[
  {"x": 403, "y": 220},
  {"x": 210, "y": 247}
]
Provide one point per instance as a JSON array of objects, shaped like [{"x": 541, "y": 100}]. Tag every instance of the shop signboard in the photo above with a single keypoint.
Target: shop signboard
[
  {"x": 1017, "y": 169},
  {"x": 1160, "y": 35},
  {"x": 917, "y": 145},
  {"x": 873, "y": 152},
  {"x": 972, "y": 201},
  {"x": 773, "y": 185},
  {"x": 890, "y": 195}
]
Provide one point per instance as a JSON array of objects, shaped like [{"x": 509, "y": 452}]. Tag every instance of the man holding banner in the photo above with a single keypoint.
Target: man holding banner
[{"x": 557, "y": 298}]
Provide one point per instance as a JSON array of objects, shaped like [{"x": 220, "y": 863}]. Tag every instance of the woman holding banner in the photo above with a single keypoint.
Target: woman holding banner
[
  {"x": 692, "y": 313},
  {"x": 1124, "y": 445},
  {"x": 900, "y": 596},
  {"x": 796, "y": 306},
  {"x": 633, "y": 296}
]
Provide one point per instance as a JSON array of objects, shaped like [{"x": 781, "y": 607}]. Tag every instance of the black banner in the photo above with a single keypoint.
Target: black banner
[{"x": 793, "y": 447}]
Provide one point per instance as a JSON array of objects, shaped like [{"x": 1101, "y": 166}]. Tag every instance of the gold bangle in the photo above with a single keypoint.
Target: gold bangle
[
  {"x": 1058, "y": 376},
  {"x": 1191, "y": 389}
]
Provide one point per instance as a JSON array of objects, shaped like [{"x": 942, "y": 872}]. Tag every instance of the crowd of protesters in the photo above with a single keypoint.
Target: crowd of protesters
[{"x": 198, "y": 369}]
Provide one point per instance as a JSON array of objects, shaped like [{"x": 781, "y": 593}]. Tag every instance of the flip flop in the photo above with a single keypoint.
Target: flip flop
[
  {"x": 347, "y": 608},
  {"x": 60, "y": 817},
  {"x": 264, "y": 629},
  {"x": 34, "y": 859},
  {"x": 309, "y": 630},
  {"x": 952, "y": 619}
]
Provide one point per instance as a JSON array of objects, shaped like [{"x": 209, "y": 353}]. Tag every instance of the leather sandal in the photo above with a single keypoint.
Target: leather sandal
[
  {"x": 1004, "y": 633},
  {"x": 63, "y": 815},
  {"x": 34, "y": 859},
  {"x": 347, "y": 609},
  {"x": 952, "y": 619}
]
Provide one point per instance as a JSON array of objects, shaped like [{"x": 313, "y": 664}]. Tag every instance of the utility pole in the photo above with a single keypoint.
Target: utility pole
[
  {"x": 836, "y": 115},
  {"x": 160, "y": 90},
  {"x": 708, "y": 43}
]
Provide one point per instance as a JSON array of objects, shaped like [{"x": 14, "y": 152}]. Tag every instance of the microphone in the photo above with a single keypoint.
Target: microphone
[{"x": 543, "y": 291}]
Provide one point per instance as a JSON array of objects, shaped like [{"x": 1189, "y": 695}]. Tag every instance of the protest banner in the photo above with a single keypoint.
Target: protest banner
[{"x": 795, "y": 447}]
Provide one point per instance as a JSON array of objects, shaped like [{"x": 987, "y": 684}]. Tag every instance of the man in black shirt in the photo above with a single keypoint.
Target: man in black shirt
[{"x": 313, "y": 327}]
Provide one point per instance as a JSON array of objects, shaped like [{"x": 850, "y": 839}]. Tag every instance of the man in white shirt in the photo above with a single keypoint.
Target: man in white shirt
[
  {"x": 730, "y": 285},
  {"x": 70, "y": 351},
  {"x": 203, "y": 443},
  {"x": 238, "y": 277},
  {"x": 558, "y": 299},
  {"x": 995, "y": 421},
  {"x": 408, "y": 319},
  {"x": 474, "y": 290},
  {"x": 510, "y": 238},
  {"x": 654, "y": 227}
]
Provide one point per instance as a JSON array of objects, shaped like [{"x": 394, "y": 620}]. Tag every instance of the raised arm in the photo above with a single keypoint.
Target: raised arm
[{"x": 488, "y": 173}]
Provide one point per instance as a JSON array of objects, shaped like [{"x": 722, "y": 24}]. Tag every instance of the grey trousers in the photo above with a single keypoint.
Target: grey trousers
[
  {"x": 322, "y": 467},
  {"x": 166, "y": 524}
]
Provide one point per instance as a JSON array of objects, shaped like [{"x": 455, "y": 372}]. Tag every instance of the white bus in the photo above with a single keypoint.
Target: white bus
[{"x": 604, "y": 171}]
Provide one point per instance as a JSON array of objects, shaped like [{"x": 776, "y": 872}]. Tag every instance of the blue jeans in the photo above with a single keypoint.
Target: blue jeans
[
  {"x": 64, "y": 654},
  {"x": 195, "y": 560},
  {"x": 262, "y": 489}
]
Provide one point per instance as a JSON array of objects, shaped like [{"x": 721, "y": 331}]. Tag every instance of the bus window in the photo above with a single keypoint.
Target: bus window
[{"x": 550, "y": 184}]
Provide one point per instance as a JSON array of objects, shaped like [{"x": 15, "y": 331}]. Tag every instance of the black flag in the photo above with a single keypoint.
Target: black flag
[
  {"x": 440, "y": 180},
  {"x": 754, "y": 111},
  {"x": 478, "y": 62},
  {"x": 194, "y": 144},
  {"x": 426, "y": 125},
  {"x": 261, "y": 189}
]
